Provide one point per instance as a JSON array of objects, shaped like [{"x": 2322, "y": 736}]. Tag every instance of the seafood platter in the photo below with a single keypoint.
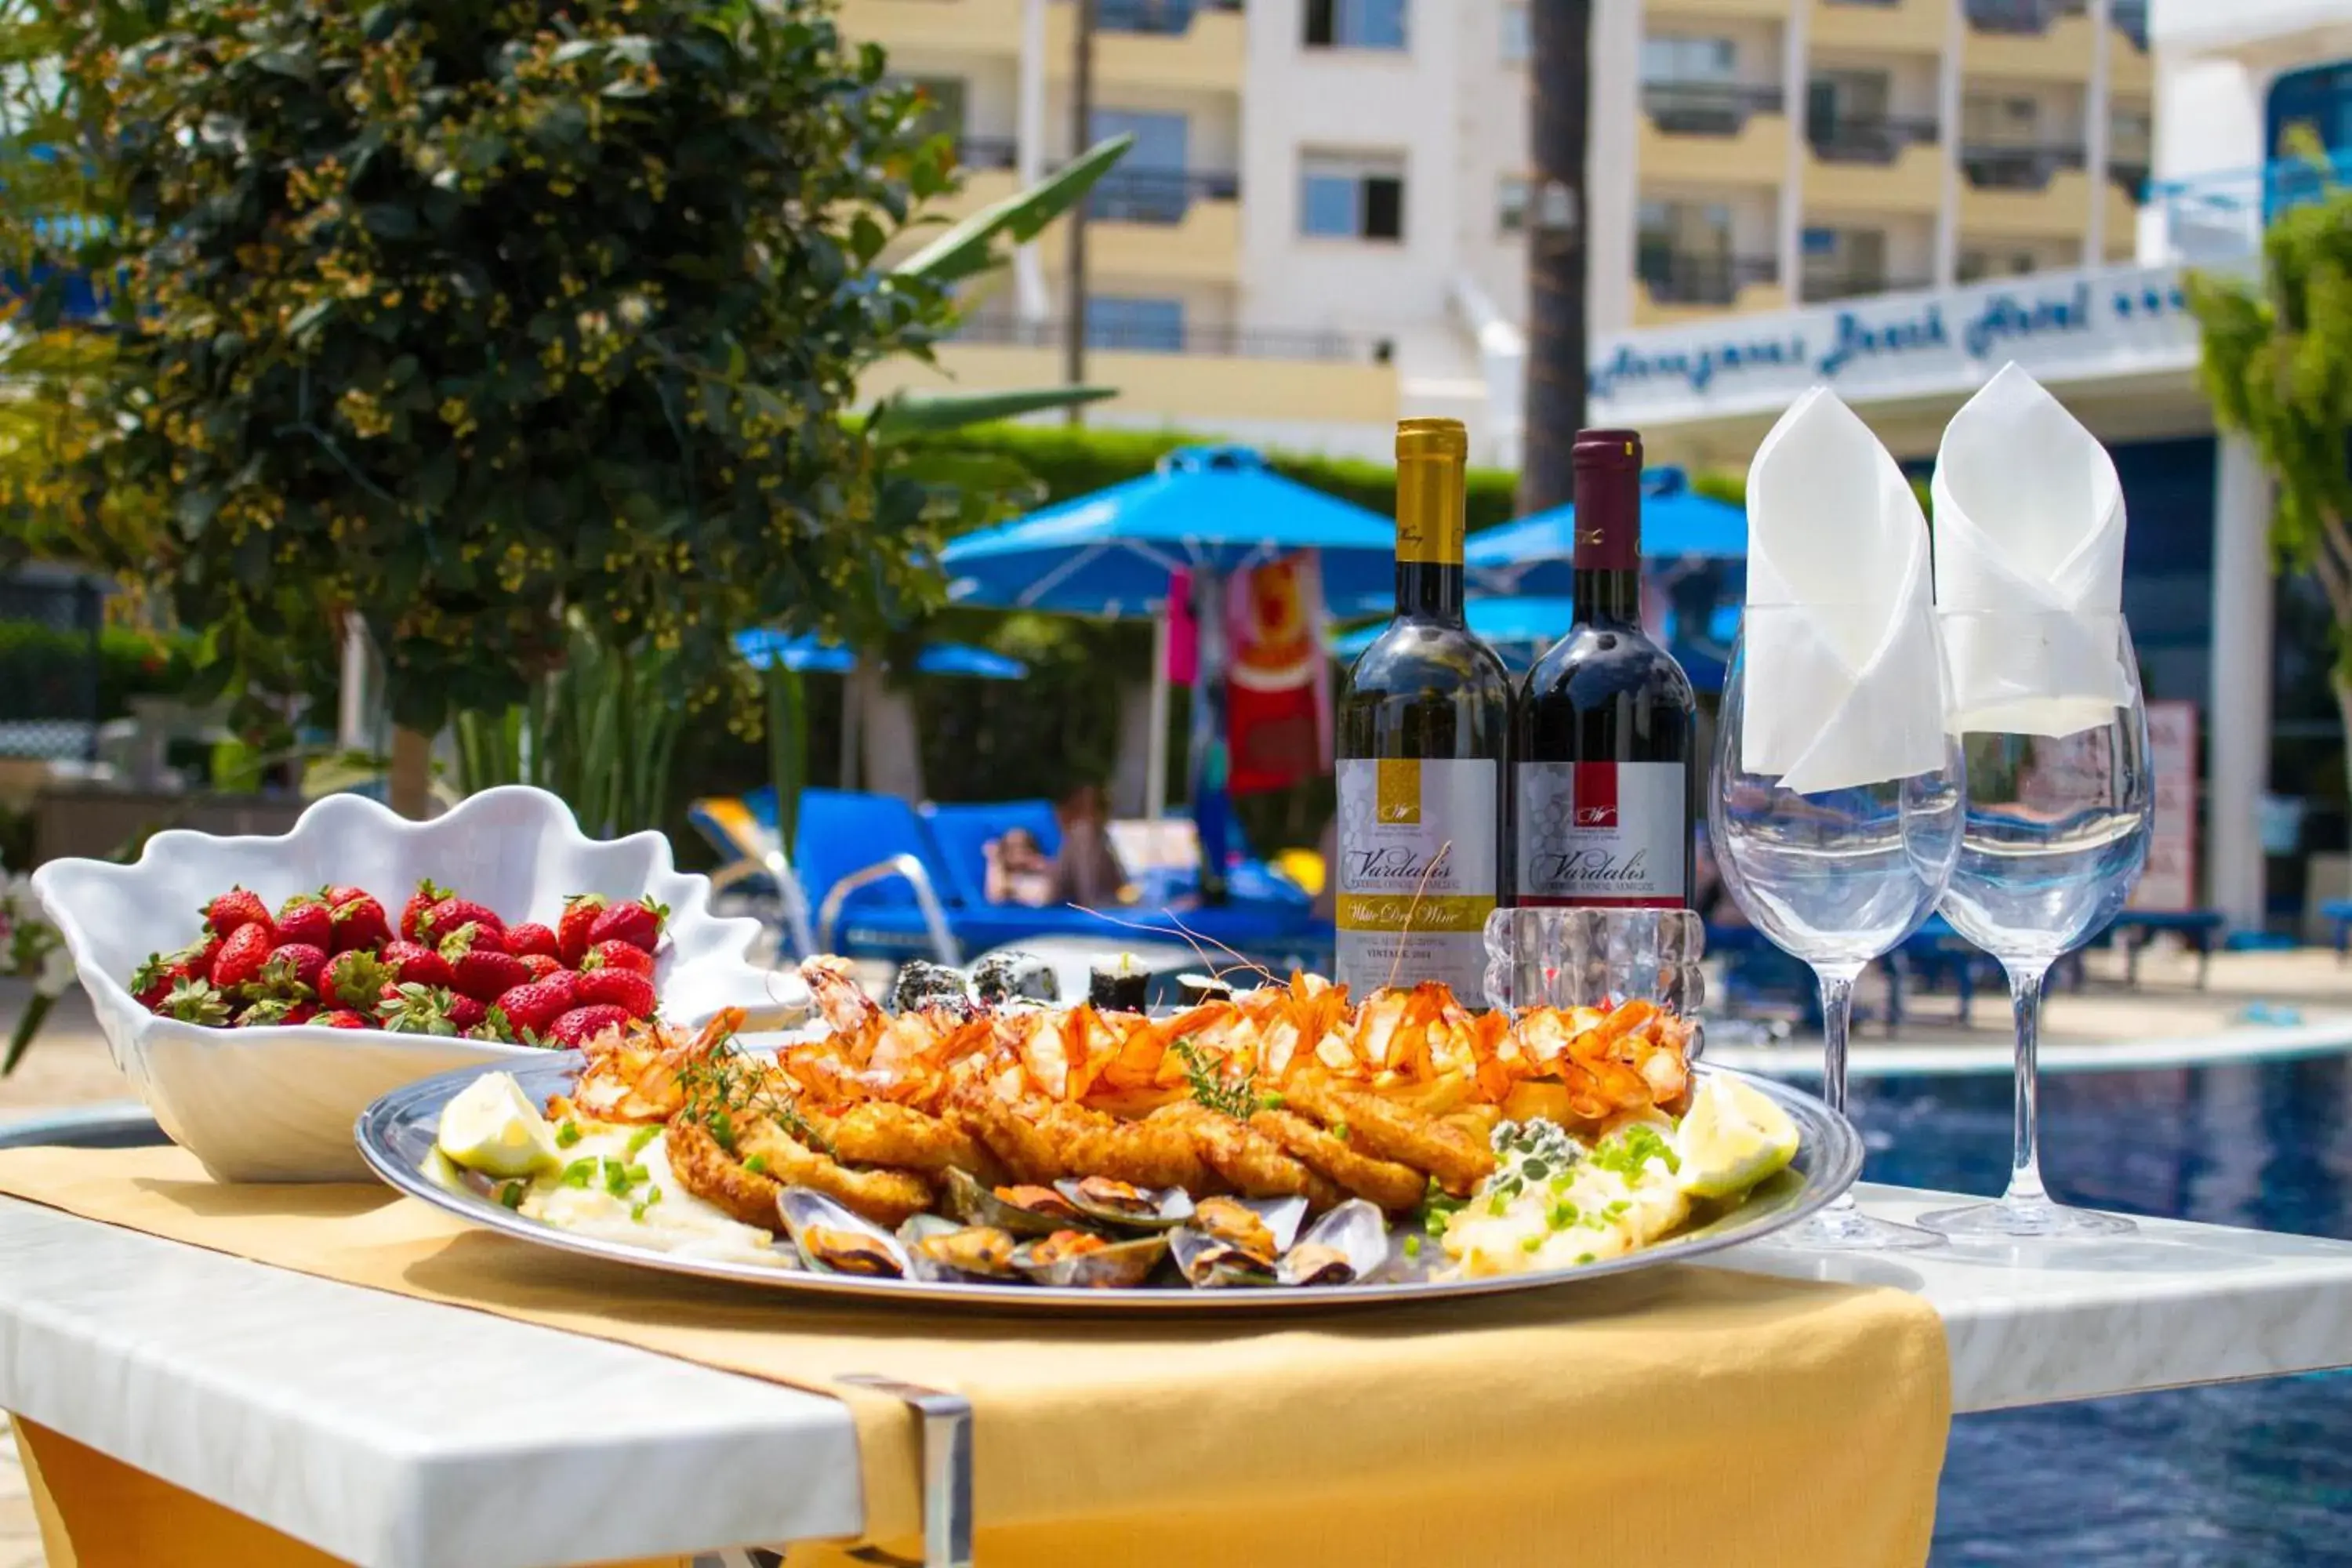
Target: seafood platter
[{"x": 980, "y": 1139}]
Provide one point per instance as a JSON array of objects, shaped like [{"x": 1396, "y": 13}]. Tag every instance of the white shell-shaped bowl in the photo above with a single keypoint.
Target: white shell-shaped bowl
[{"x": 279, "y": 1104}]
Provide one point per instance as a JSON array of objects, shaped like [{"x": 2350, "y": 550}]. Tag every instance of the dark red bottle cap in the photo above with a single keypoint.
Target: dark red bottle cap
[
  {"x": 1608, "y": 500},
  {"x": 1606, "y": 449}
]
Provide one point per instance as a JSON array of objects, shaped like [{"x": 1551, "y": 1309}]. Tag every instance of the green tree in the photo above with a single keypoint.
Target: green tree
[
  {"x": 483, "y": 322},
  {"x": 2277, "y": 362}
]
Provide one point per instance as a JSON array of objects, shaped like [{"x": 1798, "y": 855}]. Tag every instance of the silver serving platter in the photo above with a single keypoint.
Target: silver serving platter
[{"x": 396, "y": 1133}]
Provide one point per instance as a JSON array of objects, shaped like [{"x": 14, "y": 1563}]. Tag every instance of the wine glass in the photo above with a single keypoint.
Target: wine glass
[
  {"x": 2055, "y": 835},
  {"x": 1836, "y": 878}
]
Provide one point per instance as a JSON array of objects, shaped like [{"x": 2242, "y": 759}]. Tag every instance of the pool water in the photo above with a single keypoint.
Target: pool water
[{"x": 2247, "y": 1474}]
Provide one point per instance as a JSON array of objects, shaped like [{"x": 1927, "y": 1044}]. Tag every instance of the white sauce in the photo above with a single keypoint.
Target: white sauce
[
  {"x": 1574, "y": 1212},
  {"x": 656, "y": 1211}
]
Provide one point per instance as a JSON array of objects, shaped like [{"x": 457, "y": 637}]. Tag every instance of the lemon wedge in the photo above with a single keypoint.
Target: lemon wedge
[
  {"x": 489, "y": 1127},
  {"x": 1732, "y": 1138}
]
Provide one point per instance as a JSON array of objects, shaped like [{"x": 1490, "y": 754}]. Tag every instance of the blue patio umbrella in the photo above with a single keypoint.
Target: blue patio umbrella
[
  {"x": 1209, "y": 511},
  {"x": 1520, "y": 629},
  {"x": 808, "y": 655},
  {"x": 1533, "y": 554}
]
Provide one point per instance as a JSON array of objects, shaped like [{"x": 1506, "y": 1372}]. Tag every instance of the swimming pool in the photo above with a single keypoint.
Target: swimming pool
[{"x": 2250, "y": 1474}]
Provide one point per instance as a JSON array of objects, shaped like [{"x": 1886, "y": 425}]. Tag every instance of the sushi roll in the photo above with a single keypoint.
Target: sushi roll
[
  {"x": 1122, "y": 985},
  {"x": 1204, "y": 988},
  {"x": 922, "y": 986},
  {"x": 1015, "y": 977}
]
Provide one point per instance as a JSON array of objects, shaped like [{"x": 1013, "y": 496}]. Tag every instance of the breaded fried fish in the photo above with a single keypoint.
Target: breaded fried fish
[
  {"x": 1250, "y": 1163},
  {"x": 1380, "y": 1127},
  {"x": 1391, "y": 1185},
  {"x": 749, "y": 1194},
  {"x": 1041, "y": 1140},
  {"x": 878, "y": 1132}
]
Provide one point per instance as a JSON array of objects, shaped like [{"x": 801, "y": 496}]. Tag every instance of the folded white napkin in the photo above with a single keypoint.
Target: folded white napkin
[
  {"x": 1843, "y": 686},
  {"x": 2029, "y": 564}
]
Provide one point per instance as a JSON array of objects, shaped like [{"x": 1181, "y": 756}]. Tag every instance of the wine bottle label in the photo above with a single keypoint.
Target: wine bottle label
[
  {"x": 1416, "y": 874},
  {"x": 1602, "y": 833}
]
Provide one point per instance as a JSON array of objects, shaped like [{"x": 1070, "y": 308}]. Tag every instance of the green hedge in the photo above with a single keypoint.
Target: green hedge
[{"x": 42, "y": 670}]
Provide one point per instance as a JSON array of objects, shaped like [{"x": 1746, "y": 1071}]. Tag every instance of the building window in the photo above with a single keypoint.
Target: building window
[
  {"x": 1841, "y": 262},
  {"x": 1511, "y": 204},
  {"x": 1351, "y": 197},
  {"x": 1518, "y": 37},
  {"x": 1127, "y": 322},
  {"x": 1999, "y": 120},
  {"x": 1681, "y": 252},
  {"x": 1670, "y": 59},
  {"x": 1355, "y": 24},
  {"x": 1975, "y": 265}
]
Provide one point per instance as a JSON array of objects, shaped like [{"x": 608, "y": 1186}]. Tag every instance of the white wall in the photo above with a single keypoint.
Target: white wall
[{"x": 1398, "y": 103}]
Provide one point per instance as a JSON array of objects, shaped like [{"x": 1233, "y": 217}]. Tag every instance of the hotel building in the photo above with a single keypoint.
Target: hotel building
[{"x": 1321, "y": 223}]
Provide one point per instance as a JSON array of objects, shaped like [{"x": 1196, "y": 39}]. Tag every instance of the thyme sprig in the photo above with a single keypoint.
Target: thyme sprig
[
  {"x": 1214, "y": 1087},
  {"x": 725, "y": 1088}
]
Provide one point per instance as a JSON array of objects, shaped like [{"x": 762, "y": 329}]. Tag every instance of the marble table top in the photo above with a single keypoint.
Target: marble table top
[{"x": 401, "y": 1434}]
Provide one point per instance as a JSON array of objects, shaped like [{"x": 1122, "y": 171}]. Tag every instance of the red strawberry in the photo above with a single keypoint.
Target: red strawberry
[
  {"x": 531, "y": 937},
  {"x": 342, "y": 1019},
  {"x": 360, "y": 925},
  {"x": 417, "y": 965},
  {"x": 580, "y": 911},
  {"x": 618, "y": 955},
  {"x": 335, "y": 895},
  {"x": 155, "y": 979},
  {"x": 638, "y": 924},
  {"x": 533, "y": 1008},
  {"x": 420, "y": 904},
  {"x": 243, "y": 954},
  {"x": 292, "y": 973},
  {"x": 234, "y": 909},
  {"x": 466, "y": 1014},
  {"x": 414, "y": 1009},
  {"x": 354, "y": 979},
  {"x": 305, "y": 920},
  {"x": 484, "y": 973},
  {"x": 631, "y": 992},
  {"x": 585, "y": 1023},
  {"x": 194, "y": 1002},
  {"x": 450, "y": 914},
  {"x": 276, "y": 1010},
  {"x": 542, "y": 966}
]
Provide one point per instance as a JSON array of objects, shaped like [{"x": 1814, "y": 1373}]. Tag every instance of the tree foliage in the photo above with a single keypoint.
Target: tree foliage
[
  {"x": 479, "y": 319},
  {"x": 2277, "y": 363}
]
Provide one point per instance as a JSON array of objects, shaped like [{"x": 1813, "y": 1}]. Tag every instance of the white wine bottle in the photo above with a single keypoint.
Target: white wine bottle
[{"x": 1424, "y": 721}]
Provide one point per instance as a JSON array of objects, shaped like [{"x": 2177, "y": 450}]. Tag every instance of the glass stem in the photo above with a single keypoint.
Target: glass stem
[
  {"x": 2025, "y": 1162},
  {"x": 1837, "y": 1015}
]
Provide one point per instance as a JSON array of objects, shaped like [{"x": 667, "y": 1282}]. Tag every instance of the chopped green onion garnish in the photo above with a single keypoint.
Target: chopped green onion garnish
[
  {"x": 510, "y": 1193},
  {"x": 1413, "y": 1247},
  {"x": 757, "y": 1164},
  {"x": 1532, "y": 1244},
  {"x": 567, "y": 1133},
  {"x": 578, "y": 1173},
  {"x": 643, "y": 1136}
]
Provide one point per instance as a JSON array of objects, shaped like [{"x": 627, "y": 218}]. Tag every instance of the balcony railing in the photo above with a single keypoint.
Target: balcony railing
[
  {"x": 988, "y": 152},
  {"x": 1242, "y": 342},
  {"x": 1158, "y": 196},
  {"x": 1867, "y": 140},
  {"x": 1847, "y": 283},
  {"x": 2019, "y": 15},
  {"x": 1678, "y": 279},
  {"x": 1706, "y": 108},
  {"x": 2016, "y": 165},
  {"x": 1165, "y": 17}
]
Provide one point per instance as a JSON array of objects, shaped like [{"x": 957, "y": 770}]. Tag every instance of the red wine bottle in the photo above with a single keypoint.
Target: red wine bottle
[{"x": 1603, "y": 734}]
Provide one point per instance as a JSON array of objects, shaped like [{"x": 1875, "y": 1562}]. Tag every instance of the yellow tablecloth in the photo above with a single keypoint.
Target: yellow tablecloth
[{"x": 1683, "y": 1415}]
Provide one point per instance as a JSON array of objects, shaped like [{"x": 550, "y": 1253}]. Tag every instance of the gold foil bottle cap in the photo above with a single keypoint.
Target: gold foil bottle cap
[{"x": 1432, "y": 439}]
